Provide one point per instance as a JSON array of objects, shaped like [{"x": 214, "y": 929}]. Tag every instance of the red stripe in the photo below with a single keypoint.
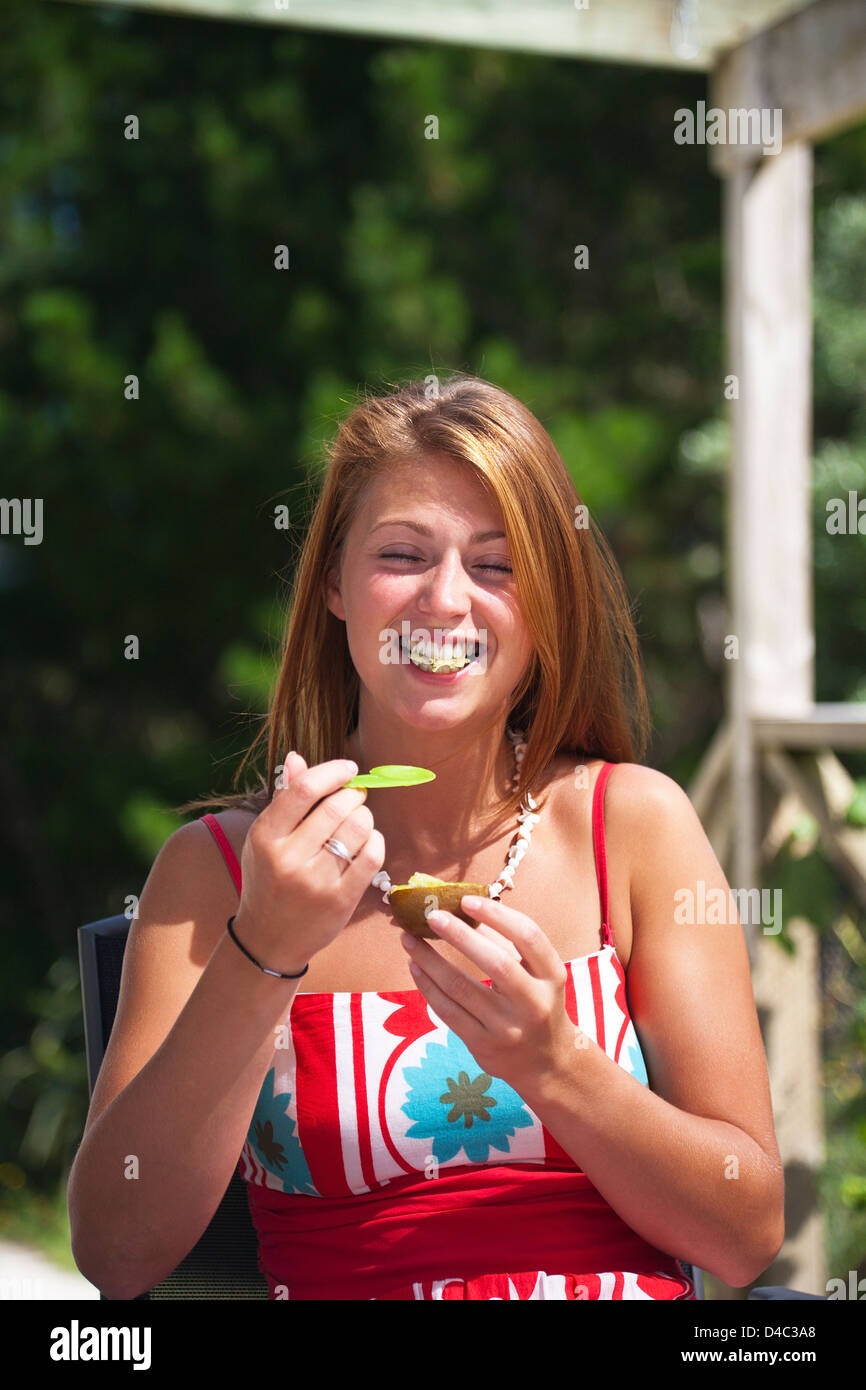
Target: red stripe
[
  {"x": 620, "y": 999},
  {"x": 622, "y": 1032},
  {"x": 316, "y": 1085},
  {"x": 383, "y": 1112},
  {"x": 553, "y": 1150},
  {"x": 597, "y": 1000},
  {"x": 228, "y": 853},
  {"x": 570, "y": 994}
]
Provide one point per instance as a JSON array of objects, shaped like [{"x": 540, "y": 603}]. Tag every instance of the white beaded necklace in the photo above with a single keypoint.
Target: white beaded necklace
[{"x": 527, "y": 818}]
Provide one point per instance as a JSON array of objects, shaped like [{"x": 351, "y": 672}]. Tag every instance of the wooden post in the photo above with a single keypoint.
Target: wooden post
[
  {"x": 788, "y": 998},
  {"x": 767, "y": 231},
  {"x": 767, "y": 227}
]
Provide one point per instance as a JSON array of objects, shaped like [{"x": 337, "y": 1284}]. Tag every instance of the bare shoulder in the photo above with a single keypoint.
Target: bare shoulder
[
  {"x": 235, "y": 823},
  {"x": 637, "y": 799},
  {"x": 640, "y": 792},
  {"x": 183, "y": 907},
  {"x": 190, "y": 884},
  {"x": 663, "y": 841},
  {"x": 645, "y": 809}
]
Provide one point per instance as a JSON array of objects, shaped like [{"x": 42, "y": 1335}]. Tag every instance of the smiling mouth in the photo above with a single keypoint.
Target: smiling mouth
[{"x": 442, "y": 660}]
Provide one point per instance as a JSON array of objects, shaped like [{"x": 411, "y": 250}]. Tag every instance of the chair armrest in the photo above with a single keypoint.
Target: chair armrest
[{"x": 779, "y": 1291}]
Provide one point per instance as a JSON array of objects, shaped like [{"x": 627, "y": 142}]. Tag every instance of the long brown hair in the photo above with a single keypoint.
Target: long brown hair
[{"x": 583, "y": 690}]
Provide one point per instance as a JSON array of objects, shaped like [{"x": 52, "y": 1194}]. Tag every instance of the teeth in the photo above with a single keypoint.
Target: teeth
[
  {"x": 437, "y": 666},
  {"x": 453, "y": 657},
  {"x": 428, "y": 652},
  {"x": 434, "y": 663}
]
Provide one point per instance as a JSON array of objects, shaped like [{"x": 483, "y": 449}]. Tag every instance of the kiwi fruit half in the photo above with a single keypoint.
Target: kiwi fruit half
[{"x": 411, "y": 901}]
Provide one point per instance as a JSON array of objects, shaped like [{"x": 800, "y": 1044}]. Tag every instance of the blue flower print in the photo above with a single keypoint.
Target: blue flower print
[
  {"x": 633, "y": 1062},
  {"x": 459, "y": 1106},
  {"x": 272, "y": 1136}
]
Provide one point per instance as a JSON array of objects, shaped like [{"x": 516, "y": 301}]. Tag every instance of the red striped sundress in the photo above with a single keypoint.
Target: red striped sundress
[{"x": 382, "y": 1162}]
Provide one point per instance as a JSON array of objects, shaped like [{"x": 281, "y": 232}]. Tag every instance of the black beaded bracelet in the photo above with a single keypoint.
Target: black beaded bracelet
[{"x": 278, "y": 973}]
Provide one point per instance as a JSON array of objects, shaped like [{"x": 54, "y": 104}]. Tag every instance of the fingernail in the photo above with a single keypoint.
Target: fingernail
[
  {"x": 470, "y": 903},
  {"x": 437, "y": 919}
]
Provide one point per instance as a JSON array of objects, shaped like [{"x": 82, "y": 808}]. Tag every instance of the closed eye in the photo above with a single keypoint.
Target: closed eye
[{"x": 494, "y": 569}]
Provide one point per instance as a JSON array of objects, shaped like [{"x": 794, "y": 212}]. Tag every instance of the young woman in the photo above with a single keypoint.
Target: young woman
[{"x": 563, "y": 1101}]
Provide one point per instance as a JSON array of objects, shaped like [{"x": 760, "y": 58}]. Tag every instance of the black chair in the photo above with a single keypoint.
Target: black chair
[{"x": 224, "y": 1263}]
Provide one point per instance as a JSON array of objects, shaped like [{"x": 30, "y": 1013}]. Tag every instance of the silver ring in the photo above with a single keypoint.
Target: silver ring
[{"x": 339, "y": 849}]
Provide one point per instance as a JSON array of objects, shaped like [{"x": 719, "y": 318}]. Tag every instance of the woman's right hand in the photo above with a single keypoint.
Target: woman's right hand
[{"x": 296, "y": 895}]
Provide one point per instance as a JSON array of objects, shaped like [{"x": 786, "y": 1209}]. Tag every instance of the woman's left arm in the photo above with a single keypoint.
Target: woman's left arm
[{"x": 691, "y": 1165}]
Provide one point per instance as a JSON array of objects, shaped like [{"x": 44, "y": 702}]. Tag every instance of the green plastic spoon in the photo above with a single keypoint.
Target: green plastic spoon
[{"x": 392, "y": 775}]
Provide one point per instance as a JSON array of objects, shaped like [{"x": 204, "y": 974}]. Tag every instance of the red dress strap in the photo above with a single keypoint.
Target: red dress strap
[
  {"x": 600, "y": 853},
  {"x": 226, "y": 850}
]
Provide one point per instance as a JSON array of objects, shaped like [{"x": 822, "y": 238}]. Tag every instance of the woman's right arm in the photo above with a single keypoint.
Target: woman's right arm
[
  {"x": 191, "y": 1044},
  {"x": 194, "y": 1032}
]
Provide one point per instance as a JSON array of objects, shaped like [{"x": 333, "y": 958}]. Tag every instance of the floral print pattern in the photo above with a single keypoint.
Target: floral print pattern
[{"x": 475, "y": 1114}]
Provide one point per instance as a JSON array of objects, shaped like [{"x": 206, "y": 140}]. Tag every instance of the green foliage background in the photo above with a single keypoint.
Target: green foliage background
[{"x": 155, "y": 257}]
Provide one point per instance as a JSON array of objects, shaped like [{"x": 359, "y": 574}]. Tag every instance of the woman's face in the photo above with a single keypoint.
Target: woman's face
[{"x": 444, "y": 577}]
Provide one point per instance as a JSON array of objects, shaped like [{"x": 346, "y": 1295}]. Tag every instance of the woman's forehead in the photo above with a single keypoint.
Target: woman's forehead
[{"x": 406, "y": 489}]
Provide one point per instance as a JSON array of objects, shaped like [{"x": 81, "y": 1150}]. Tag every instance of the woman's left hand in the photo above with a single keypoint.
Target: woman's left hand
[{"x": 517, "y": 1027}]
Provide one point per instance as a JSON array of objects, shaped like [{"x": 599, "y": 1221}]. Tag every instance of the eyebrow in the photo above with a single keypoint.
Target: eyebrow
[{"x": 426, "y": 531}]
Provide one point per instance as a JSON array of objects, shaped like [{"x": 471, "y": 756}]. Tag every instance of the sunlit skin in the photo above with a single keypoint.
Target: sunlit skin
[
  {"x": 391, "y": 574},
  {"x": 660, "y": 1155}
]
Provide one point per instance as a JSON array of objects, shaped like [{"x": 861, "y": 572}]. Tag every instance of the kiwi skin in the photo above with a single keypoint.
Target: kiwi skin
[{"x": 408, "y": 904}]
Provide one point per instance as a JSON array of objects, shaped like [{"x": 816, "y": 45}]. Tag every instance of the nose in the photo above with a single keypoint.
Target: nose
[{"x": 445, "y": 588}]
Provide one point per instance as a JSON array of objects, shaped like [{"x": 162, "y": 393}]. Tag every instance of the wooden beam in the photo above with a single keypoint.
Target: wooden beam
[
  {"x": 657, "y": 33},
  {"x": 825, "y": 796},
  {"x": 811, "y": 67},
  {"x": 713, "y": 768},
  {"x": 822, "y": 726},
  {"x": 718, "y": 824},
  {"x": 787, "y": 814}
]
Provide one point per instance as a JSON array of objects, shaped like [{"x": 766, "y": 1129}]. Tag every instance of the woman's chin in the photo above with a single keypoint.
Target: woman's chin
[{"x": 438, "y": 716}]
